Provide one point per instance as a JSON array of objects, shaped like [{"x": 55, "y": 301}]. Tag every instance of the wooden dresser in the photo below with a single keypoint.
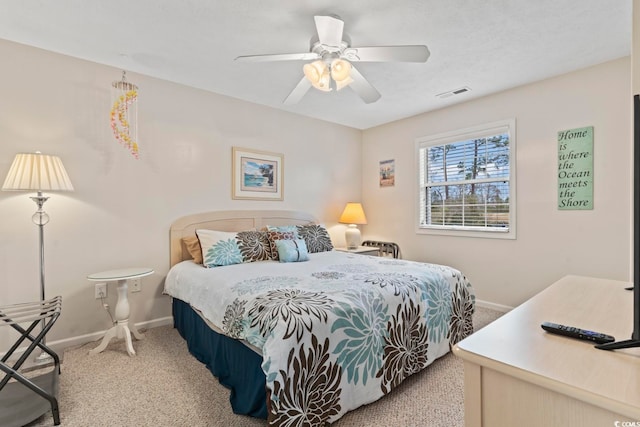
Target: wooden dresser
[{"x": 516, "y": 374}]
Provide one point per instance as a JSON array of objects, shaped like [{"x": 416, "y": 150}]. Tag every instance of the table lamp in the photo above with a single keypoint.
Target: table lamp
[
  {"x": 38, "y": 172},
  {"x": 353, "y": 215}
]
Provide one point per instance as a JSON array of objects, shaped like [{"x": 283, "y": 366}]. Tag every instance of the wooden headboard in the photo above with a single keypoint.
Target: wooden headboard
[{"x": 227, "y": 221}]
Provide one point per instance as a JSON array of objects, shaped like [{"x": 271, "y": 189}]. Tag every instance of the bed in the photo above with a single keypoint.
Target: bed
[{"x": 302, "y": 343}]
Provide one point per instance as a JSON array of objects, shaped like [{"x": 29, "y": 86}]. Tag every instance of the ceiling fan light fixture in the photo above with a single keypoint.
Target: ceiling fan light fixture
[
  {"x": 340, "y": 69},
  {"x": 318, "y": 75},
  {"x": 343, "y": 83},
  {"x": 341, "y": 73},
  {"x": 311, "y": 72},
  {"x": 325, "y": 82}
]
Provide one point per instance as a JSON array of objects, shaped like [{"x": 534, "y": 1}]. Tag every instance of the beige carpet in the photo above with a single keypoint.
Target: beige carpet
[{"x": 165, "y": 386}]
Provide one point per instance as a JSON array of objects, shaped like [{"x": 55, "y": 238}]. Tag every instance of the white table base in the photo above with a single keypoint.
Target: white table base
[{"x": 121, "y": 329}]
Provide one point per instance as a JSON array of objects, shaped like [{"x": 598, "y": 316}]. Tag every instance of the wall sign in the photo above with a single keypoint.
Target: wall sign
[{"x": 575, "y": 169}]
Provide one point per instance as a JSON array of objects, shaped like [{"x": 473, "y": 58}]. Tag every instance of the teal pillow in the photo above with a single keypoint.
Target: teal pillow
[{"x": 292, "y": 250}]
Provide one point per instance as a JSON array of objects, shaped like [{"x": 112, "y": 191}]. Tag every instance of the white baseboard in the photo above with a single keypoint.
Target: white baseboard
[
  {"x": 493, "y": 306},
  {"x": 59, "y": 345},
  {"x": 163, "y": 321},
  {"x": 83, "y": 339}
]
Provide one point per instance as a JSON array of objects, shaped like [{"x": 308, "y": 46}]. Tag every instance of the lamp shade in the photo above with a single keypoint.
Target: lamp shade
[
  {"x": 353, "y": 214},
  {"x": 340, "y": 69},
  {"x": 341, "y": 73},
  {"x": 37, "y": 171},
  {"x": 318, "y": 74}
]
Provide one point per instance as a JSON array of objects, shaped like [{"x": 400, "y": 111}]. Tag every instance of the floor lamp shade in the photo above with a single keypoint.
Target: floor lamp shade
[
  {"x": 353, "y": 215},
  {"x": 37, "y": 171}
]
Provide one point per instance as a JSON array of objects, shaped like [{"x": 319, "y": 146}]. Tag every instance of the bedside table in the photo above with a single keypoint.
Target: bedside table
[
  {"x": 121, "y": 329},
  {"x": 361, "y": 250}
]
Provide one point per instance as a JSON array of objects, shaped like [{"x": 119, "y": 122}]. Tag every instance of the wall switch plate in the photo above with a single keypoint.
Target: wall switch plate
[
  {"x": 100, "y": 290},
  {"x": 134, "y": 284}
]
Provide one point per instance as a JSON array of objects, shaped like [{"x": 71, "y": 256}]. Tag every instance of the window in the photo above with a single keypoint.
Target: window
[{"x": 467, "y": 182}]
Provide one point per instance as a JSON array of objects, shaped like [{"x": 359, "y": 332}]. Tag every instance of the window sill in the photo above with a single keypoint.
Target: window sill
[{"x": 456, "y": 232}]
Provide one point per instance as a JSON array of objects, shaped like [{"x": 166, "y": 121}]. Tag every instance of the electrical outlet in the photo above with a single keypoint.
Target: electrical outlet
[
  {"x": 134, "y": 285},
  {"x": 101, "y": 290}
]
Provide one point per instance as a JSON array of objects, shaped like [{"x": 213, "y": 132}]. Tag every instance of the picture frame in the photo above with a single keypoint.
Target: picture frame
[
  {"x": 257, "y": 175},
  {"x": 387, "y": 173}
]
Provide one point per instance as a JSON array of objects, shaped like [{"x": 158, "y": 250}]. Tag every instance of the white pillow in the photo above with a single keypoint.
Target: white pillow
[{"x": 219, "y": 248}]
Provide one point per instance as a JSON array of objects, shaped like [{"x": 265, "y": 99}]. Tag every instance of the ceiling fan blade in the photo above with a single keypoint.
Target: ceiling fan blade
[
  {"x": 329, "y": 30},
  {"x": 363, "y": 88},
  {"x": 298, "y": 92},
  {"x": 309, "y": 56},
  {"x": 408, "y": 53}
]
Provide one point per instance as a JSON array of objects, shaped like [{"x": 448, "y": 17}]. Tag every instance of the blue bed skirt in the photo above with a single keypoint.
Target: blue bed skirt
[{"x": 233, "y": 363}]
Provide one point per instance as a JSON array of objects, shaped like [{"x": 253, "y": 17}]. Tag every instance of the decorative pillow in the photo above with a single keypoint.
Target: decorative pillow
[
  {"x": 219, "y": 248},
  {"x": 292, "y": 250},
  {"x": 279, "y": 235},
  {"x": 283, "y": 228},
  {"x": 224, "y": 248},
  {"x": 316, "y": 237},
  {"x": 254, "y": 245},
  {"x": 193, "y": 247}
]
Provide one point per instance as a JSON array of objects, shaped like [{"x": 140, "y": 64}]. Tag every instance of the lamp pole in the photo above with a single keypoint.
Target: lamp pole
[{"x": 40, "y": 218}]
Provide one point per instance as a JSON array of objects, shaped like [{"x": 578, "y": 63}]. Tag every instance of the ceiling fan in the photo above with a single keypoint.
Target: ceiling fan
[{"x": 331, "y": 57}]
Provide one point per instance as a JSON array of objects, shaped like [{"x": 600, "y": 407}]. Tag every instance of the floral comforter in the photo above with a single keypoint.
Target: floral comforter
[{"x": 336, "y": 332}]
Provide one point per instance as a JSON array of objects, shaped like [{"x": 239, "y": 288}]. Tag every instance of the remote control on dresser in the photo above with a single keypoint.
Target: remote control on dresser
[{"x": 573, "y": 332}]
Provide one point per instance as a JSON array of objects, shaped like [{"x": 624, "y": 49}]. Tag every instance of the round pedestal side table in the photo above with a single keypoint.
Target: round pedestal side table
[{"x": 121, "y": 329}]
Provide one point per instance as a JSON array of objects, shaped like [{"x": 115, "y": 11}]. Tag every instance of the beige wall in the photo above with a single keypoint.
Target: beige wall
[
  {"x": 550, "y": 243},
  {"x": 120, "y": 212}
]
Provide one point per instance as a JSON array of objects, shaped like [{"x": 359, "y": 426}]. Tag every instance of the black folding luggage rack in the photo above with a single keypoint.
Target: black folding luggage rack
[
  {"x": 384, "y": 248},
  {"x": 23, "y": 399}
]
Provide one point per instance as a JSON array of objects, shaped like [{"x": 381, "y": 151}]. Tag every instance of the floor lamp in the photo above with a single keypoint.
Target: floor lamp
[{"x": 39, "y": 172}]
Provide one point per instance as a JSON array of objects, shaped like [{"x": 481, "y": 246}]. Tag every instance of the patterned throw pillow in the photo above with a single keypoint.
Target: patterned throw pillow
[
  {"x": 292, "y": 250},
  {"x": 316, "y": 237},
  {"x": 224, "y": 248},
  {"x": 218, "y": 248},
  {"x": 254, "y": 245},
  {"x": 279, "y": 235},
  {"x": 283, "y": 228}
]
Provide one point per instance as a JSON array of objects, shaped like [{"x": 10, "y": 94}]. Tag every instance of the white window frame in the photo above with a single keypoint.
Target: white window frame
[{"x": 488, "y": 129}]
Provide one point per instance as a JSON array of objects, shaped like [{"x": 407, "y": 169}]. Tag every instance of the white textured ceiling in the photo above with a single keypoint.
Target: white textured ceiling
[{"x": 489, "y": 45}]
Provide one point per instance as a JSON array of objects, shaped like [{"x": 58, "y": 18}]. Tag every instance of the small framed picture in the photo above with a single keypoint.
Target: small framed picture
[
  {"x": 257, "y": 175},
  {"x": 387, "y": 173}
]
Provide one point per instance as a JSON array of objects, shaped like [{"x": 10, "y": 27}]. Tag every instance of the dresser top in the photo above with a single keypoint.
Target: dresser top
[{"x": 515, "y": 343}]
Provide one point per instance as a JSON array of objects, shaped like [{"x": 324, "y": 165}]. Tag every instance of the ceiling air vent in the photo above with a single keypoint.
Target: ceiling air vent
[{"x": 458, "y": 91}]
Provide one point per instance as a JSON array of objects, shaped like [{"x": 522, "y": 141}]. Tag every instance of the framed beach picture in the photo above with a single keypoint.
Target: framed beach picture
[
  {"x": 387, "y": 173},
  {"x": 257, "y": 175}
]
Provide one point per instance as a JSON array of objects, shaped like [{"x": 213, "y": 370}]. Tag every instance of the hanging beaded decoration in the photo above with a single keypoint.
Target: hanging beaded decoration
[{"x": 124, "y": 114}]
